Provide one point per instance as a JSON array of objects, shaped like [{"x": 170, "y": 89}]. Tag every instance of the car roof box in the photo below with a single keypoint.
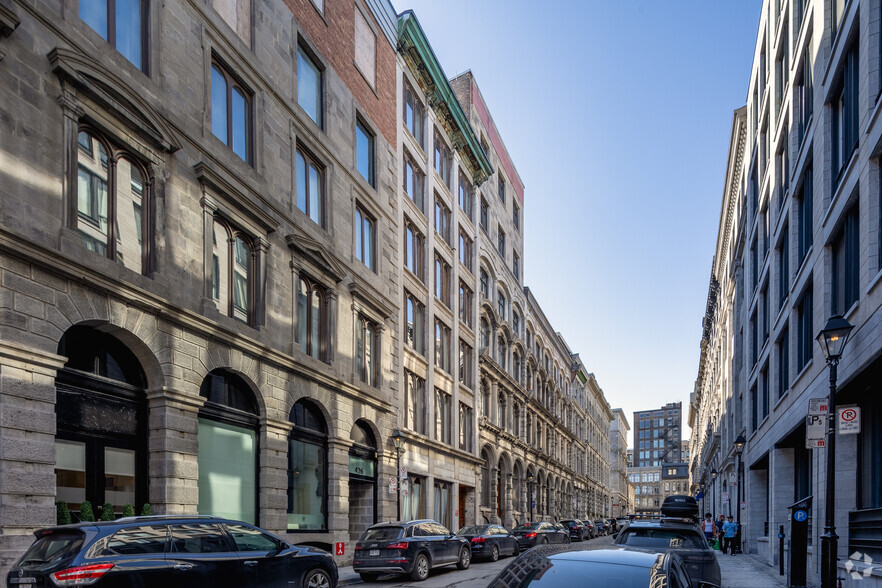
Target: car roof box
[{"x": 680, "y": 505}]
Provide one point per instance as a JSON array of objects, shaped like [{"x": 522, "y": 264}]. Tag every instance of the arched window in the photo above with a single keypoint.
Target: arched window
[
  {"x": 231, "y": 283},
  {"x": 307, "y": 469},
  {"x": 416, "y": 320},
  {"x": 485, "y": 284},
  {"x": 366, "y": 348},
  {"x": 312, "y": 313},
  {"x": 101, "y": 426},
  {"x": 502, "y": 351},
  {"x": 485, "y": 334},
  {"x": 228, "y": 424},
  {"x": 516, "y": 366},
  {"x": 516, "y": 419},
  {"x": 113, "y": 202}
]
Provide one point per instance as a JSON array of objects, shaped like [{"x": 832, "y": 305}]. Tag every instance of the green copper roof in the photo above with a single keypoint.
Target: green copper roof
[{"x": 420, "y": 58}]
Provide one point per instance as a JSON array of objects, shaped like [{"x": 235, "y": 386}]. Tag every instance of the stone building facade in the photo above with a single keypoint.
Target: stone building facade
[
  {"x": 618, "y": 464},
  {"x": 799, "y": 241}
]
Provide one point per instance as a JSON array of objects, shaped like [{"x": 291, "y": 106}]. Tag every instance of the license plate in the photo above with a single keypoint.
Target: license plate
[{"x": 374, "y": 552}]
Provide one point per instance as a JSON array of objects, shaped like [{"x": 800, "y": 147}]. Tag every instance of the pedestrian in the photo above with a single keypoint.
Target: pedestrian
[
  {"x": 708, "y": 527},
  {"x": 729, "y": 530},
  {"x": 720, "y": 526}
]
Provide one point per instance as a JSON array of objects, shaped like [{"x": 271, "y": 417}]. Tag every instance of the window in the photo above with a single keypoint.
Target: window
[
  {"x": 413, "y": 250},
  {"x": 782, "y": 70},
  {"x": 846, "y": 264},
  {"x": 485, "y": 284},
  {"x": 466, "y": 197},
  {"x": 784, "y": 266},
  {"x": 230, "y": 112},
  {"x": 442, "y": 346},
  {"x": 466, "y": 427},
  {"x": 484, "y": 334},
  {"x": 805, "y": 332},
  {"x": 516, "y": 264},
  {"x": 414, "y": 118},
  {"x": 516, "y": 215},
  {"x": 442, "y": 159},
  {"x": 845, "y": 113},
  {"x": 501, "y": 187},
  {"x": 783, "y": 348},
  {"x": 366, "y": 348},
  {"x": 442, "y": 280},
  {"x": 466, "y": 250},
  {"x": 837, "y": 11},
  {"x": 442, "y": 219},
  {"x": 806, "y": 215},
  {"x": 120, "y": 23},
  {"x": 365, "y": 243},
  {"x": 307, "y": 469},
  {"x": 312, "y": 313},
  {"x": 782, "y": 164},
  {"x": 502, "y": 351},
  {"x": 466, "y": 357},
  {"x": 232, "y": 286},
  {"x": 764, "y": 308},
  {"x": 804, "y": 94},
  {"x": 515, "y": 322},
  {"x": 466, "y": 304},
  {"x": 113, "y": 203},
  {"x": 501, "y": 305},
  {"x": 416, "y": 313},
  {"x": 443, "y": 426},
  {"x": 764, "y": 390},
  {"x": 500, "y": 241},
  {"x": 415, "y": 402},
  {"x": 309, "y": 86},
  {"x": 413, "y": 182},
  {"x": 485, "y": 215},
  {"x": 364, "y": 151},
  {"x": 310, "y": 187}
]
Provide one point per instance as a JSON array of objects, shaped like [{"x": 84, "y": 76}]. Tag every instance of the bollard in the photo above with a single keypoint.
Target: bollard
[{"x": 781, "y": 550}]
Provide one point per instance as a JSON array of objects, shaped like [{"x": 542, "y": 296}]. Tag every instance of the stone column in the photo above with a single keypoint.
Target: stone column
[
  {"x": 273, "y": 478},
  {"x": 173, "y": 443},
  {"x": 27, "y": 446}
]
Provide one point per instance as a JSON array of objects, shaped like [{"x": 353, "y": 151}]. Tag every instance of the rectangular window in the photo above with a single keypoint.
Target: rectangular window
[
  {"x": 364, "y": 151},
  {"x": 365, "y": 351},
  {"x": 230, "y": 112},
  {"x": 466, "y": 427},
  {"x": 442, "y": 219},
  {"x": 120, "y": 23},
  {"x": 415, "y": 321},
  {"x": 442, "y": 159},
  {"x": 414, "y": 252},
  {"x": 845, "y": 113},
  {"x": 782, "y": 164},
  {"x": 309, "y": 86},
  {"x": 754, "y": 408},
  {"x": 500, "y": 241},
  {"x": 764, "y": 390},
  {"x": 466, "y": 304},
  {"x": 501, "y": 187},
  {"x": 442, "y": 346},
  {"x": 804, "y": 92},
  {"x": 414, "y": 118},
  {"x": 783, "y": 348},
  {"x": 442, "y": 281},
  {"x": 516, "y": 215},
  {"x": 516, "y": 265},
  {"x": 806, "y": 214},
  {"x": 764, "y": 308},
  {"x": 310, "y": 187},
  {"x": 846, "y": 264},
  {"x": 784, "y": 266},
  {"x": 485, "y": 215},
  {"x": 415, "y": 403},
  {"x": 805, "y": 333},
  {"x": 365, "y": 242},
  {"x": 466, "y": 197},
  {"x": 754, "y": 338},
  {"x": 466, "y": 251},
  {"x": 466, "y": 358},
  {"x": 501, "y": 304},
  {"x": 413, "y": 182},
  {"x": 442, "y": 416}
]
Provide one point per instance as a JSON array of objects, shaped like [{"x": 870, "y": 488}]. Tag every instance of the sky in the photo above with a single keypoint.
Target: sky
[{"x": 617, "y": 115}]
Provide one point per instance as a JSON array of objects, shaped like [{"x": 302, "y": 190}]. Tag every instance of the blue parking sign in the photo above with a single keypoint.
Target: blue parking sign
[{"x": 800, "y": 515}]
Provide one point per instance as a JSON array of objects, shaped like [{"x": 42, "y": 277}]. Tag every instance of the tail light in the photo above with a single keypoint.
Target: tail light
[
  {"x": 401, "y": 545},
  {"x": 530, "y": 535},
  {"x": 358, "y": 547},
  {"x": 478, "y": 539},
  {"x": 80, "y": 575}
]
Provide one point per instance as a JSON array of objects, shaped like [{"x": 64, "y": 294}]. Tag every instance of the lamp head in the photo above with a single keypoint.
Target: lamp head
[
  {"x": 398, "y": 439},
  {"x": 739, "y": 443},
  {"x": 714, "y": 473},
  {"x": 834, "y": 337}
]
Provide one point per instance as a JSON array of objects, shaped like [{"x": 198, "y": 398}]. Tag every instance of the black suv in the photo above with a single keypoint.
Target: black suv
[
  {"x": 169, "y": 551},
  {"x": 579, "y": 531},
  {"x": 411, "y": 548}
]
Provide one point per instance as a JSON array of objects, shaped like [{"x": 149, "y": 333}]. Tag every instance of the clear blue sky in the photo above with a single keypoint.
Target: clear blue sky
[{"x": 617, "y": 116}]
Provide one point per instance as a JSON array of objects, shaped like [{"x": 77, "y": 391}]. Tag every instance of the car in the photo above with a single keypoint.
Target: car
[
  {"x": 578, "y": 530},
  {"x": 540, "y": 533},
  {"x": 490, "y": 541},
  {"x": 590, "y": 525},
  {"x": 679, "y": 535},
  {"x": 412, "y": 547},
  {"x": 565, "y": 566},
  {"x": 169, "y": 551},
  {"x": 601, "y": 526}
]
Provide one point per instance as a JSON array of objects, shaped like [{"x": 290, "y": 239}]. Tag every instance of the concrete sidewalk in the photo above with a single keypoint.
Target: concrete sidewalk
[
  {"x": 743, "y": 571},
  {"x": 347, "y": 577}
]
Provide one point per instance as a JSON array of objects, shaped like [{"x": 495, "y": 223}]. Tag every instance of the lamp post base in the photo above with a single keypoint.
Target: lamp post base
[{"x": 829, "y": 549}]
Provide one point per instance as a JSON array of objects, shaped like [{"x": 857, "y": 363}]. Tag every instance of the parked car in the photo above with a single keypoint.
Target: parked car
[
  {"x": 571, "y": 565},
  {"x": 590, "y": 524},
  {"x": 490, "y": 541},
  {"x": 540, "y": 533},
  {"x": 169, "y": 551},
  {"x": 601, "y": 526},
  {"x": 578, "y": 530},
  {"x": 412, "y": 548}
]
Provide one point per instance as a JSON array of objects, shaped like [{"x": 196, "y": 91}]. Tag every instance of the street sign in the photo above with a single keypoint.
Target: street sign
[
  {"x": 393, "y": 485},
  {"x": 725, "y": 497},
  {"x": 815, "y": 443},
  {"x": 340, "y": 549},
  {"x": 814, "y": 427},
  {"x": 402, "y": 472},
  {"x": 800, "y": 515},
  {"x": 817, "y": 406},
  {"x": 849, "y": 420}
]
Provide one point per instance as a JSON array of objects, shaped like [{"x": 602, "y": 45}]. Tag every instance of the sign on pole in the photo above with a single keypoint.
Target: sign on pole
[
  {"x": 817, "y": 406},
  {"x": 725, "y": 497},
  {"x": 815, "y": 427},
  {"x": 815, "y": 443},
  {"x": 849, "y": 420},
  {"x": 402, "y": 472},
  {"x": 393, "y": 485}
]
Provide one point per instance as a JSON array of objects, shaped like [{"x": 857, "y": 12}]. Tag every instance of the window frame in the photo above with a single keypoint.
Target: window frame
[
  {"x": 366, "y": 362},
  {"x": 310, "y": 57},
  {"x": 231, "y": 83},
  {"x": 362, "y": 219},
  {"x": 314, "y": 288},
  {"x": 233, "y": 232},
  {"x": 112, "y": 33},
  {"x": 310, "y": 162},
  {"x": 413, "y": 101}
]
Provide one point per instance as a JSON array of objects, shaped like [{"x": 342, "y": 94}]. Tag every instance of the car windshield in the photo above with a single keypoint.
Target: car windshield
[
  {"x": 480, "y": 530},
  {"x": 569, "y": 523},
  {"x": 573, "y": 573},
  {"x": 53, "y": 547},
  {"x": 662, "y": 539},
  {"x": 382, "y": 534},
  {"x": 526, "y": 527}
]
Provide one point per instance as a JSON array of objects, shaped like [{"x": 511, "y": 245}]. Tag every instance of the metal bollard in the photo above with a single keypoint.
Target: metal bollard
[{"x": 781, "y": 550}]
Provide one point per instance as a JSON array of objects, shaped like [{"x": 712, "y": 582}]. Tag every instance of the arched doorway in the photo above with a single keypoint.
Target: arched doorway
[
  {"x": 101, "y": 423},
  {"x": 228, "y": 425},
  {"x": 307, "y": 469},
  {"x": 362, "y": 479}
]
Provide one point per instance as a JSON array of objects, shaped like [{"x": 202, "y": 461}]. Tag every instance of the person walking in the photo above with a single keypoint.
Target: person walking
[
  {"x": 719, "y": 526},
  {"x": 730, "y": 528},
  {"x": 710, "y": 530}
]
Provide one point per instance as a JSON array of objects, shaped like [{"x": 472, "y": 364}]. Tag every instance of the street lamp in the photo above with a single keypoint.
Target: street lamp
[
  {"x": 398, "y": 442},
  {"x": 713, "y": 492},
  {"x": 701, "y": 488},
  {"x": 530, "y": 497},
  {"x": 739, "y": 447},
  {"x": 832, "y": 341}
]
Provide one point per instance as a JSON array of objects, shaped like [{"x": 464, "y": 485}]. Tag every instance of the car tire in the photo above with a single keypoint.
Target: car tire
[
  {"x": 420, "y": 568},
  {"x": 517, "y": 549},
  {"x": 317, "y": 578},
  {"x": 369, "y": 578},
  {"x": 494, "y": 553},
  {"x": 465, "y": 558},
  {"x": 544, "y": 541},
  {"x": 567, "y": 539}
]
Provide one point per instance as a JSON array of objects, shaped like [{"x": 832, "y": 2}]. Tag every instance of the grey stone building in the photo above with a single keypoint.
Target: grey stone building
[
  {"x": 618, "y": 464},
  {"x": 799, "y": 241}
]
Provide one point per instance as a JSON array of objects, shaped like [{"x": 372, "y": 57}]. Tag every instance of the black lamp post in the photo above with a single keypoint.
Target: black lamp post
[
  {"x": 832, "y": 340},
  {"x": 701, "y": 488},
  {"x": 398, "y": 442},
  {"x": 713, "y": 491},
  {"x": 530, "y": 497},
  {"x": 739, "y": 447}
]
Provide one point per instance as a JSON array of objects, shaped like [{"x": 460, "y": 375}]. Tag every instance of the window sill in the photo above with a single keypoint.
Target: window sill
[{"x": 874, "y": 282}]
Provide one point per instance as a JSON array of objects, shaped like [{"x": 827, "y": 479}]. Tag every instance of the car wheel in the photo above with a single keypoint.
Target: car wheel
[
  {"x": 368, "y": 578},
  {"x": 465, "y": 557},
  {"x": 517, "y": 549},
  {"x": 420, "y": 568},
  {"x": 544, "y": 541},
  {"x": 317, "y": 579},
  {"x": 494, "y": 554},
  {"x": 567, "y": 539}
]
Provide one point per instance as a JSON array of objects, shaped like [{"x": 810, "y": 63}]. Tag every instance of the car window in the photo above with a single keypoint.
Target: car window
[
  {"x": 135, "y": 540},
  {"x": 471, "y": 531},
  {"x": 661, "y": 538},
  {"x": 439, "y": 529},
  {"x": 422, "y": 531},
  {"x": 525, "y": 527},
  {"x": 53, "y": 547},
  {"x": 251, "y": 539},
  {"x": 198, "y": 538},
  {"x": 382, "y": 534}
]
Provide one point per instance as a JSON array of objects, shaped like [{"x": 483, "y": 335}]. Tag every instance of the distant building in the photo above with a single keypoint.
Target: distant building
[
  {"x": 658, "y": 435},
  {"x": 647, "y": 483},
  {"x": 618, "y": 463}
]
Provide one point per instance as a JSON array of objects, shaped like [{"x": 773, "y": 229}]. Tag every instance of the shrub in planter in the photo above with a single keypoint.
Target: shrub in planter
[
  {"x": 107, "y": 512},
  {"x": 146, "y": 510},
  {"x": 128, "y": 510},
  {"x": 62, "y": 516},
  {"x": 86, "y": 512}
]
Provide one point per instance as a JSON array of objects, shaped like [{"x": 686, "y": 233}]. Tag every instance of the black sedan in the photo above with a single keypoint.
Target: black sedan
[
  {"x": 567, "y": 566},
  {"x": 579, "y": 531},
  {"x": 490, "y": 541},
  {"x": 410, "y": 548},
  {"x": 541, "y": 533}
]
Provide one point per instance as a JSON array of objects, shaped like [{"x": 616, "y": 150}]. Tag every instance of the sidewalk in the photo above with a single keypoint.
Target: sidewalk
[
  {"x": 743, "y": 571},
  {"x": 347, "y": 577}
]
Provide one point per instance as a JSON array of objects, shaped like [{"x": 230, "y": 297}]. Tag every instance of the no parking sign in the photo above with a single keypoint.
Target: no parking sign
[{"x": 849, "y": 420}]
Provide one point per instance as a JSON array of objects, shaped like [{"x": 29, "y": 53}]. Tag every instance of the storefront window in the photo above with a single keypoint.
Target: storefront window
[{"x": 307, "y": 469}]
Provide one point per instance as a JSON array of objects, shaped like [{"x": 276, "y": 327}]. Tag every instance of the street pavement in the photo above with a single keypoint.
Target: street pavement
[{"x": 744, "y": 571}]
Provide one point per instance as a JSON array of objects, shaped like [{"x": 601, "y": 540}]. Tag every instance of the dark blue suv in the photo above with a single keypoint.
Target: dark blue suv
[
  {"x": 411, "y": 548},
  {"x": 169, "y": 551}
]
